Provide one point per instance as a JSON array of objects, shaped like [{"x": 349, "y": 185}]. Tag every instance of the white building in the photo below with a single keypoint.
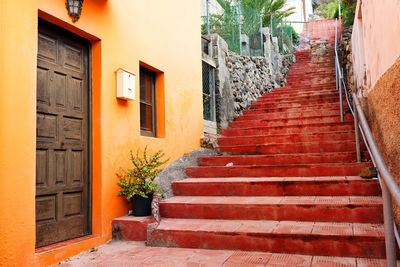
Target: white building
[
  {"x": 214, "y": 7},
  {"x": 303, "y": 8}
]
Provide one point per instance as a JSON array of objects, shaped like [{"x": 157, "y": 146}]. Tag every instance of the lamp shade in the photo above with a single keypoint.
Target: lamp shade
[{"x": 74, "y": 8}]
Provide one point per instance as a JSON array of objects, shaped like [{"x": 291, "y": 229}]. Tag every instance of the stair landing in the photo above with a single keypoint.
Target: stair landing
[{"x": 119, "y": 253}]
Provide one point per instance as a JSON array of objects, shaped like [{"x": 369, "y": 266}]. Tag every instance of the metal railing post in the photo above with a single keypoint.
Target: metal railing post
[
  {"x": 233, "y": 37},
  {"x": 340, "y": 12},
  {"x": 336, "y": 64},
  {"x": 208, "y": 16},
  {"x": 271, "y": 24},
  {"x": 240, "y": 26},
  {"x": 261, "y": 37},
  {"x": 357, "y": 133},
  {"x": 282, "y": 35},
  {"x": 291, "y": 37},
  {"x": 388, "y": 224},
  {"x": 336, "y": 76},
  {"x": 341, "y": 100},
  {"x": 338, "y": 71}
]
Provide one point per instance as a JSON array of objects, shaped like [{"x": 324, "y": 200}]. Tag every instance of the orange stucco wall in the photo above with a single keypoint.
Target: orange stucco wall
[
  {"x": 375, "y": 41},
  {"x": 162, "y": 34}
]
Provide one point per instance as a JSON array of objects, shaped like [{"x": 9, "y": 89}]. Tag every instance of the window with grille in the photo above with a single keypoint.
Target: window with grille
[
  {"x": 208, "y": 93},
  {"x": 147, "y": 102}
]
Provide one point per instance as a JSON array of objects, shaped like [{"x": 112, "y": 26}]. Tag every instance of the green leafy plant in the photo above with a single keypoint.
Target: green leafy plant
[
  {"x": 347, "y": 8},
  {"x": 140, "y": 179},
  {"x": 276, "y": 8},
  {"x": 227, "y": 23}
]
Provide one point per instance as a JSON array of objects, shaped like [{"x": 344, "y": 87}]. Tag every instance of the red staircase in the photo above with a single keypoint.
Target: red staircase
[{"x": 286, "y": 180}]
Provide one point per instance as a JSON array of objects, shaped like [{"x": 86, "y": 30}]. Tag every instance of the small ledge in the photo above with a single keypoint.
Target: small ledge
[{"x": 60, "y": 245}]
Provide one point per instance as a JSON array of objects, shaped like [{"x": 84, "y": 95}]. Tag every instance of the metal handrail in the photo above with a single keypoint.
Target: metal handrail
[
  {"x": 388, "y": 184},
  {"x": 339, "y": 76}
]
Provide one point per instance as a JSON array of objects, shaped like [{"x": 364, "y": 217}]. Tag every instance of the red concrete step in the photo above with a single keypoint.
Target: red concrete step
[
  {"x": 302, "y": 89},
  {"x": 296, "y": 129},
  {"x": 281, "y": 159},
  {"x": 307, "y": 67},
  {"x": 278, "y": 186},
  {"x": 316, "y": 108},
  {"x": 288, "y": 122},
  {"x": 299, "y": 98},
  {"x": 285, "y": 138},
  {"x": 297, "y": 89},
  {"x": 288, "y": 104},
  {"x": 131, "y": 228},
  {"x": 362, "y": 209},
  {"x": 317, "y": 169},
  {"x": 312, "y": 69},
  {"x": 288, "y": 95},
  {"x": 288, "y": 115},
  {"x": 326, "y": 69},
  {"x": 295, "y": 75},
  {"x": 314, "y": 81},
  {"x": 291, "y": 94},
  {"x": 288, "y": 148},
  {"x": 323, "y": 239},
  {"x": 304, "y": 105}
]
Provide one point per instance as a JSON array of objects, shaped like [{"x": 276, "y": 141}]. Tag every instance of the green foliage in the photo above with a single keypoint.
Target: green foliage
[
  {"x": 227, "y": 23},
  {"x": 140, "y": 179},
  {"x": 348, "y": 10},
  {"x": 286, "y": 39},
  {"x": 348, "y": 13},
  {"x": 332, "y": 10},
  {"x": 290, "y": 30},
  {"x": 270, "y": 7}
]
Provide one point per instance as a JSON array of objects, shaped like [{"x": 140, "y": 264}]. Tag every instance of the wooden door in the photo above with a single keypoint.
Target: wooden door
[{"x": 62, "y": 147}]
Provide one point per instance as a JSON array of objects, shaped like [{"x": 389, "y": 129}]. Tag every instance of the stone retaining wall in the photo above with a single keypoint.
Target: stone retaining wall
[
  {"x": 240, "y": 80},
  {"x": 346, "y": 59}
]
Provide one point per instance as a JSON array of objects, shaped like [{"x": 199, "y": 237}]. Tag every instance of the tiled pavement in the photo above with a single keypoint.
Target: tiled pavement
[{"x": 122, "y": 254}]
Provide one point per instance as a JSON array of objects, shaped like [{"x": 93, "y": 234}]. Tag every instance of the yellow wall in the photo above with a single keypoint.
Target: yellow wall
[{"x": 162, "y": 34}]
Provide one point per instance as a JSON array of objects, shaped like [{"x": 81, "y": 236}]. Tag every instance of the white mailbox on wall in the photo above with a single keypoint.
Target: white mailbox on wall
[{"x": 125, "y": 84}]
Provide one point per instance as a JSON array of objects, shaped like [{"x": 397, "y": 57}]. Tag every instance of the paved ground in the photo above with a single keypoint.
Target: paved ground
[{"x": 120, "y": 253}]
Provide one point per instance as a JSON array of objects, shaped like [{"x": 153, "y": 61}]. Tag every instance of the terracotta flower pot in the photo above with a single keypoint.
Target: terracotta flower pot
[{"x": 142, "y": 206}]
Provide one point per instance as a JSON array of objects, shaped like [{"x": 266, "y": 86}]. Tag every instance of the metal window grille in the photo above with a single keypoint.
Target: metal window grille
[{"x": 208, "y": 93}]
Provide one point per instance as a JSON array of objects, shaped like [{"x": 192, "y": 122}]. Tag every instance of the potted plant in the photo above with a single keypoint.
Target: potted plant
[{"x": 137, "y": 183}]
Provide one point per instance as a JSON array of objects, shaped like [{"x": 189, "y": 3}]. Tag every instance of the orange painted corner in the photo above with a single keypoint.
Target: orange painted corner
[{"x": 165, "y": 36}]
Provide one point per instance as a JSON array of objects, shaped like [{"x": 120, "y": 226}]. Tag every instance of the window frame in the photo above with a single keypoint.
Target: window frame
[{"x": 153, "y": 75}]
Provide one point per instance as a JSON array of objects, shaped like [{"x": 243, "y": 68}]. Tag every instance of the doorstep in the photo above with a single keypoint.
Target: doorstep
[{"x": 131, "y": 228}]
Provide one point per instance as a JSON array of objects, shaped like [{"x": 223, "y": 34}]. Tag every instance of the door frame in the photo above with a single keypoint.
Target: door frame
[{"x": 45, "y": 23}]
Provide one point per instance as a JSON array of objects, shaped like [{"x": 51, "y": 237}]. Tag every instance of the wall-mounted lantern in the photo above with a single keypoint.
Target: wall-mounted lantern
[{"x": 74, "y": 8}]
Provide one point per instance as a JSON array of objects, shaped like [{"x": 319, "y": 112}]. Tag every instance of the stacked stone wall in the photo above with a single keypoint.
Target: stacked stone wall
[{"x": 240, "y": 80}]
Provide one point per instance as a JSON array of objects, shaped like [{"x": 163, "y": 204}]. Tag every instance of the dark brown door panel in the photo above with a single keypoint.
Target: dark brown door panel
[{"x": 62, "y": 134}]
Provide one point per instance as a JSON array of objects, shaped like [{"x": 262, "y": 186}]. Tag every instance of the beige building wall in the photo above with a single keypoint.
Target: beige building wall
[
  {"x": 376, "y": 57},
  {"x": 299, "y": 13},
  {"x": 375, "y": 41}
]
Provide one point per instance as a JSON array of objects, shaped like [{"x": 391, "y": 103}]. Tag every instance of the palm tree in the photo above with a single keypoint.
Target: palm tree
[
  {"x": 226, "y": 24},
  {"x": 276, "y": 8}
]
